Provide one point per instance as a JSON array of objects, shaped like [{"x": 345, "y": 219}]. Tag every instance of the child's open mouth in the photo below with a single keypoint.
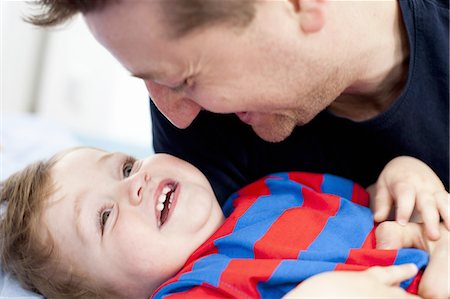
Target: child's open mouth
[{"x": 165, "y": 200}]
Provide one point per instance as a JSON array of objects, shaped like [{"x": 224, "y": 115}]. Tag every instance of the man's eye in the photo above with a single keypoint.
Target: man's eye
[
  {"x": 127, "y": 167},
  {"x": 186, "y": 83},
  {"x": 180, "y": 87}
]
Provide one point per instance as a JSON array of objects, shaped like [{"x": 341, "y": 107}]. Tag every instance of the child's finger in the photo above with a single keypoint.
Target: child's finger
[
  {"x": 388, "y": 235},
  {"x": 391, "y": 235},
  {"x": 383, "y": 204},
  {"x": 405, "y": 197},
  {"x": 443, "y": 205},
  {"x": 426, "y": 204}
]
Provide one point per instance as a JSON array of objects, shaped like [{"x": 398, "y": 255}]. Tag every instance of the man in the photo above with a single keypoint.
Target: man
[{"x": 328, "y": 86}]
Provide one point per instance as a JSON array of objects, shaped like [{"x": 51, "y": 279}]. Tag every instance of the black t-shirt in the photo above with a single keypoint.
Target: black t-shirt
[{"x": 231, "y": 155}]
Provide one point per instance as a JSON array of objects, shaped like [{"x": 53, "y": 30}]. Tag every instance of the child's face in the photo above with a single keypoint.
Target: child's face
[{"x": 106, "y": 218}]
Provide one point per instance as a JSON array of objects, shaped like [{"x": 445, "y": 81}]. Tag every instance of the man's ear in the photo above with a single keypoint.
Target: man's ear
[{"x": 311, "y": 14}]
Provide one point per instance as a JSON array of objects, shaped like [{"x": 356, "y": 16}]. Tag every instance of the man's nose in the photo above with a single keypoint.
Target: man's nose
[
  {"x": 177, "y": 108},
  {"x": 137, "y": 188}
]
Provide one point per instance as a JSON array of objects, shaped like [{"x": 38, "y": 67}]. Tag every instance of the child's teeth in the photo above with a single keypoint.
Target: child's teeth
[
  {"x": 166, "y": 190},
  {"x": 160, "y": 206},
  {"x": 170, "y": 197},
  {"x": 169, "y": 205},
  {"x": 162, "y": 198}
]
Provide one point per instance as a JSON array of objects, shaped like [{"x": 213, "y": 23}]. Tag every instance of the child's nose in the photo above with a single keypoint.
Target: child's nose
[{"x": 137, "y": 187}]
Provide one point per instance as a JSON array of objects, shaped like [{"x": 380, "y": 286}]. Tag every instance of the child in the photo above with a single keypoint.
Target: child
[{"x": 89, "y": 223}]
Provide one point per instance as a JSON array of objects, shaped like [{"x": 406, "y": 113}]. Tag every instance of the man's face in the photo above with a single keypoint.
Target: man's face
[
  {"x": 268, "y": 73},
  {"x": 129, "y": 225}
]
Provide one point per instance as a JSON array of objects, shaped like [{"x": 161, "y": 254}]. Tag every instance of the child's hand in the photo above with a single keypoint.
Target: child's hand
[
  {"x": 375, "y": 282},
  {"x": 435, "y": 282},
  {"x": 411, "y": 185},
  {"x": 436, "y": 278}
]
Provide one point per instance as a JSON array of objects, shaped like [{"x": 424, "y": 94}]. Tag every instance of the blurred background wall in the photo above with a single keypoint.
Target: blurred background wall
[{"x": 64, "y": 75}]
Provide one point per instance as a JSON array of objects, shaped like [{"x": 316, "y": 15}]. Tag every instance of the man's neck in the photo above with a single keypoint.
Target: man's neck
[{"x": 384, "y": 67}]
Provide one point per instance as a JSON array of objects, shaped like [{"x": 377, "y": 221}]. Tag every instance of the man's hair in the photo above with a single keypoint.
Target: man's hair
[
  {"x": 183, "y": 16},
  {"x": 26, "y": 252},
  {"x": 55, "y": 12}
]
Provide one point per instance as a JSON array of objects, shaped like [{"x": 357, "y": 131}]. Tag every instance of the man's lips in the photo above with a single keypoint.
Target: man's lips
[{"x": 245, "y": 117}]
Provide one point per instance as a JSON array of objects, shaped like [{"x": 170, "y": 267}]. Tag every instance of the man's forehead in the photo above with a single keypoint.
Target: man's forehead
[
  {"x": 122, "y": 14},
  {"x": 138, "y": 47}
]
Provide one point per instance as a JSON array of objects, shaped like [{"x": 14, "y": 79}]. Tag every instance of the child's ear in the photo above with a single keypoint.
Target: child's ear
[{"x": 311, "y": 14}]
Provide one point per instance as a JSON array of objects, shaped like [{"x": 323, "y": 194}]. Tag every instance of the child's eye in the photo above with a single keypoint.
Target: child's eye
[
  {"x": 103, "y": 215},
  {"x": 128, "y": 166}
]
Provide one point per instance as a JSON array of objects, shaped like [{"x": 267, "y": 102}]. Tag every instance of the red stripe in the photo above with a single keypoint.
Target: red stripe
[
  {"x": 360, "y": 196},
  {"x": 241, "y": 277},
  {"x": 312, "y": 180},
  {"x": 257, "y": 188},
  {"x": 297, "y": 228},
  {"x": 413, "y": 288},
  {"x": 348, "y": 267},
  {"x": 371, "y": 257},
  {"x": 370, "y": 242}
]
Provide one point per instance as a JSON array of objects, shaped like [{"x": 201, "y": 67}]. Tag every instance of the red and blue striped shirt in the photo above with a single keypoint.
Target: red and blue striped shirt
[{"x": 282, "y": 230}]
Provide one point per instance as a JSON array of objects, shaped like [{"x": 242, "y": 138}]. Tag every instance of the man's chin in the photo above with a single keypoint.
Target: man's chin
[{"x": 274, "y": 134}]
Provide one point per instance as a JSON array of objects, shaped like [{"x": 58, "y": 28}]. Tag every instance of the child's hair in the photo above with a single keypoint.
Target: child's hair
[{"x": 28, "y": 253}]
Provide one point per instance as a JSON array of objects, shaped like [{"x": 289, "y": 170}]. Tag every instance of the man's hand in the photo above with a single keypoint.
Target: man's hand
[
  {"x": 411, "y": 185},
  {"x": 375, "y": 282}
]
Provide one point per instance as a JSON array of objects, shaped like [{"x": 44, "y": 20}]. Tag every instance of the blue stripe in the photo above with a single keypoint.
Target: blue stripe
[
  {"x": 255, "y": 222},
  {"x": 228, "y": 207},
  {"x": 289, "y": 274},
  {"x": 330, "y": 255},
  {"x": 205, "y": 270},
  {"x": 208, "y": 269},
  {"x": 349, "y": 228},
  {"x": 336, "y": 185},
  {"x": 408, "y": 256}
]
